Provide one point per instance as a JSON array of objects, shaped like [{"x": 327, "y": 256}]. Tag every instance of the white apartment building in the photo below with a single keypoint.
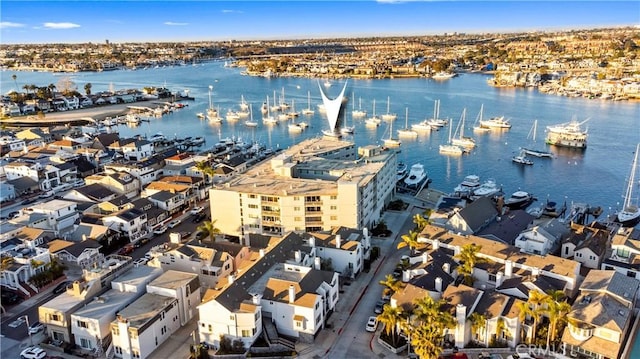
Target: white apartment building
[
  {"x": 144, "y": 325},
  {"x": 55, "y": 215},
  {"x": 346, "y": 248},
  {"x": 313, "y": 186}
]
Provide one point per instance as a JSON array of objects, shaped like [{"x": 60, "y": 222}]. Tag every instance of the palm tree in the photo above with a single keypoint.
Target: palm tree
[
  {"x": 210, "y": 229},
  {"x": 390, "y": 284},
  {"x": 478, "y": 322},
  {"x": 557, "y": 311},
  {"x": 409, "y": 240},
  {"x": 501, "y": 327},
  {"x": 525, "y": 312},
  {"x": 420, "y": 221},
  {"x": 390, "y": 317},
  {"x": 533, "y": 308},
  {"x": 426, "y": 341},
  {"x": 468, "y": 258},
  {"x": 206, "y": 169}
]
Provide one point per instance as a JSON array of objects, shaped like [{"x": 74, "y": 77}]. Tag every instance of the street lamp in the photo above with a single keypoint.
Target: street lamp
[
  {"x": 26, "y": 317},
  {"x": 196, "y": 347}
]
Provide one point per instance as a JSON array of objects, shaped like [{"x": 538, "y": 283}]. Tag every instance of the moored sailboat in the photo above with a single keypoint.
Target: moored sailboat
[
  {"x": 406, "y": 131},
  {"x": 629, "y": 216}
]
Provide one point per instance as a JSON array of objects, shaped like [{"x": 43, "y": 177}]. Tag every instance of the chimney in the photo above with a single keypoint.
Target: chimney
[
  {"x": 298, "y": 256},
  {"x": 439, "y": 285},
  {"x": 508, "y": 269},
  {"x": 365, "y": 232},
  {"x": 292, "y": 294},
  {"x": 446, "y": 268},
  {"x": 256, "y": 299},
  {"x": 261, "y": 252},
  {"x": 499, "y": 279},
  {"x": 406, "y": 275},
  {"x": 425, "y": 257},
  {"x": 77, "y": 289},
  {"x": 535, "y": 272},
  {"x": 232, "y": 278},
  {"x": 338, "y": 241},
  {"x": 317, "y": 263},
  {"x": 312, "y": 241},
  {"x": 436, "y": 244}
]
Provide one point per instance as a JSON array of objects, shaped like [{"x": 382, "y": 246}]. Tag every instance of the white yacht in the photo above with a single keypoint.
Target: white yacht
[
  {"x": 522, "y": 159},
  {"x": 417, "y": 175},
  {"x": 518, "y": 200},
  {"x": 468, "y": 185},
  {"x": 407, "y": 131},
  {"x": 488, "y": 188},
  {"x": 373, "y": 121},
  {"x": 389, "y": 116},
  {"x": 496, "y": 122},
  {"x": 402, "y": 171}
]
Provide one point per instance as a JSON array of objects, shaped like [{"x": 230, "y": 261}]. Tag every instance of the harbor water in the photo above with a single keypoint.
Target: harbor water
[{"x": 596, "y": 176}]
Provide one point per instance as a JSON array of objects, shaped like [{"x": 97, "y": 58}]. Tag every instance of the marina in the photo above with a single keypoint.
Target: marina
[{"x": 594, "y": 175}]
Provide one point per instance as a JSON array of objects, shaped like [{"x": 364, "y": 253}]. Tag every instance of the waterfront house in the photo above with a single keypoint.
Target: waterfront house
[
  {"x": 587, "y": 245},
  {"x": 542, "y": 239},
  {"x": 624, "y": 256},
  {"x": 507, "y": 228},
  {"x": 600, "y": 318},
  {"x": 178, "y": 164},
  {"x": 145, "y": 171},
  {"x": 474, "y": 217}
]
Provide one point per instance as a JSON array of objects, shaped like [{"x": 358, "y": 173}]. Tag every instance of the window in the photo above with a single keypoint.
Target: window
[
  {"x": 210, "y": 328},
  {"x": 334, "y": 218},
  {"x": 253, "y": 206},
  {"x": 85, "y": 343},
  {"x": 118, "y": 350},
  {"x": 82, "y": 324},
  {"x": 55, "y": 317},
  {"x": 298, "y": 324},
  {"x": 246, "y": 333},
  {"x": 115, "y": 330},
  {"x": 492, "y": 277},
  {"x": 333, "y": 197},
  {"x": 333, "y": 208},
  {"x": 136, "y": 354}
]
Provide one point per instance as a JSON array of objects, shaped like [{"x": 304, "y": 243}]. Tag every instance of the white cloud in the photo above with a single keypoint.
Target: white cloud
[
  {"x": 231, "y": 12},
  {"x": 9, "y": 24},
  {"x": 60, "y": 25},
  {"x": 171, "y": 23}
]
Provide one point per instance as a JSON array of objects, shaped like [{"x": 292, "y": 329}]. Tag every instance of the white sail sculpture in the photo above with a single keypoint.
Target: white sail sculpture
[{"x": 332, "y": 107}]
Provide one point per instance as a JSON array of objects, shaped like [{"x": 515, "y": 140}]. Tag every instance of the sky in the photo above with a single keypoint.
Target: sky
[{"x": 55, "y": 21}]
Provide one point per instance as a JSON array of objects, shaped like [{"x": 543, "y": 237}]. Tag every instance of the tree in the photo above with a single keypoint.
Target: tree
[
  {"x": 557, "y": 310},
  {"x": 209, "y": 228},
  {"x": 87, "y": 88},
  {"x": 533, "y": 308},
  {"x": 420, "y": 221},
  {"x": 390, "y": 317},
  {"x": 52, "y": 89},
  {"x": 478, "y": 322},
  {"x": 207, "y": 171},
  {"x": 468, "y": 258},
  {"x": 409, "y": 240},
  {"x": 390, "y": 284}
]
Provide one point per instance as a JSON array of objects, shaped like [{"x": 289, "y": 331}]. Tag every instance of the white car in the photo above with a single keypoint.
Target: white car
[
  {"x": 174, "y": 223},
  {"x": 33, "y": 353},
  {"x": 160, "y": 230},
  {"x": 372, "y": 324},
  {"x": 197, "y": 210},
  {"x": 140, "y": 261},
  {"x": 36, "y": 327}
]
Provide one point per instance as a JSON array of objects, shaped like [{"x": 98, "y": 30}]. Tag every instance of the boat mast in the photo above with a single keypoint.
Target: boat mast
[{"x": 627, "y": 196}]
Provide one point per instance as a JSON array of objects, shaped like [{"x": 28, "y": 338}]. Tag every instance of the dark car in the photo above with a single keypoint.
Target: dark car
[
  {"x": 13, "y": 214},
  {"x": 198, "y": 218},
  {"x": 29, "y": 201},
  {"x": 10, "y": 298},
  {"x": 61, "y": 288},
  {"x": 200, "y": 235}
]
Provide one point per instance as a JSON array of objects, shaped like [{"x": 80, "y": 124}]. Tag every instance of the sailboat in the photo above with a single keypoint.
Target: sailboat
[
  {"x": 275, "y": 106},
  {"x": 478, "y": 127},
  {"x": 373, "y": 121},
  {"x": 450, "y": 148},
  {"x": 212, "y": 113},
  {"x": 283, "y": 103},
  {"x": 437, "y": 122},
  {"x": 533, "y": 152},
  {"x": 347, "y": 130},
  {"x": 268, "y": 119},
  {"x": 406, "y": 131},
  {"x": 522, "y": 159},
  {"x": 251, "y": 122},
  {"x": 359, "y": 112},
  {"x": 391, "y": 141},
  {"x": 629, "y": 216},
  {"x": 244, "y": 106},
  {"x": 308, "y": 110},
  {"x": 389, "y": 116},
  {"x": 463, "y": 140},
  {"x": 293, "y": 126},
  {"x": 292, "y": 113}
]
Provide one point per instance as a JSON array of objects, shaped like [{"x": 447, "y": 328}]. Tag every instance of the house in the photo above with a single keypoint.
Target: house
[
  {"x": 178, "y": 164},
  {"x": 474, "y": 217},
  {"x": 542, "y": 239},
  {"x": 94, "y": 193},
  {"x": 625, "y": 253},
  {"x": 145, "y": 171},
  {"x": 587, "y": 245},
  {"x": 184, "y": 287},
  {"x": 84, "y": 255},
  {"x": 507, "y": 227},
  {"x": 196, "y": 257},
  {"x": 296, "y": 299},
  {"x": 24, "y": 186},
  {"x": 170, "y": 202},
  {"x": 144, "y": 325},
  {"x": 155, "y": 214},
  {"x": 196, "y": 184},
  {"x": 91, "y": 325},
  {"x": 133, "y": 149},
  {"x": 7, "y": 191},
  {"x": 346, "y": 248},
  {"x": 22, "y": 257},
  {"x": 56, "y": 215},
  {"x": 600, "y": 318},
  {"x": 503, "y": 326},
  {"x": 10, "y": 143},
  {"x": 131, "y": 223},
  {"x": 122, "y": 183},
  {"x": 460, "y": 301}
]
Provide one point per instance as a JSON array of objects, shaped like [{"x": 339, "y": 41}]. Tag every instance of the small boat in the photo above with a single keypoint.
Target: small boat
[
  {"x": 401, "y": 171},
  {"x": 158, "y": 137},
  {"x": 629, "y": 216},
  {"x": 488, "y": 188},
  {"x": 265, "y": 106},
  {"x": 359, "y": 112},
  {"x": 373, "y": 121},
  {"x": 478, "y": 127},
  {"x": 421, "y": 126},
  {"x": 443, "y": 75},
  {"x": 406, "y": 131},
  {"x": 391, "y": 141},
  {"x": 496, "y": 122},
  {"x": 292, "y": 113},
  {"x": 327, "y": 83},
  {"x": 450, "y": 148},
  {"x": 250, "y": 122},
  {"x": 347, "y": 130},
  {"x": 389, "y": 116},
  {"x": 417, "y": 175},
  {"x": 330, "y": 133},
  {"x": 244, "y": 106},
  {"x": 519, "y": 200},
  {"x": 533, "y": 152},
  {"x": 268, "y": 119},
  {"x": 232, "y": 115},
  {"x": 200, "y": 115},
  {"x": 132, "y": 119},
  {"x": 522, "y": 159},
  {"x": 436, "y": 122},
  {"x": 197, "y": 141}
]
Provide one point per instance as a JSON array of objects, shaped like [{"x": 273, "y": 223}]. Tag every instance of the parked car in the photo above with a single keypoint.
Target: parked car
[
  {"x": 126, "y": 250},
  {"x": 200, "y": 235},
  {"x": 46, "y": 194},
  {"x": 185, "y": 234},
  {"x": 62, "y": 287},
  {"x": 36, "y": 328},
  {"x": 29, "y": 201},
  {"x": 197, "y": 210},
  {"x": 198, "y": 218},
  {"x": 160, "y": 230},
  {"x": 378, "y": 307},
  {"x": 33, "y": 353},
  {"x": 372, "y": 324},
  {"x": 140, "y": 262},
  {"x": 10, "y": 298},
  {"x": 13, "y": 214},
  {"x": 174, "y": 223}
]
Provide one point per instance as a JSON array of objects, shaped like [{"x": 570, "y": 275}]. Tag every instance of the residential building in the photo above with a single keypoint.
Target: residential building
[
  {"x": 184, "y": 287},
  {"x": 625, "y": 253},
  {"x": 93, "y": 192},
  {"x": 58, "y": 216},
  {"x": 145, "y": 171},
  {"x": 587, "y": 245},
  {"x": 315, "y": 185},
  {"x": 121, "y": 183},
  {"x": 7, "y": 191},
  {"x": 474, "y": 217},
  {"x": 345, "y": 248},
  {"x": 22, "y": 257},
  {"x": 542, "y": 239},
  {"x": 84, "y": 255},
  {"x": 130, "y": 222},
  {"x": 600, "y": 318}
]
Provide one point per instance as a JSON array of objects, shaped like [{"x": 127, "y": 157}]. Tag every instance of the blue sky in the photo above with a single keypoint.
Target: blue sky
[{"x": 122, "y": 21}]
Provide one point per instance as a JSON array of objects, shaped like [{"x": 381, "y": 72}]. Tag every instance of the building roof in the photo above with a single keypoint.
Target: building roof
[
  {"x": 57, "y": 245},
  {"x": 601, "y": 310},
  {"x": 173, "y": 279},
  {"x": 461, "y": 294},
  {"x": 606, "y": 348},
  {"x": 479, "y": 213},
  {"x": 95, "y": 192},
  {"x": 105, "y": 305},
  {"x": 492, "y": 304},
  {"x": 144, "y": 309},
  {"x": 613, "y": 282},
  {"x": 77, "y": 248},
  {"x": 405, "y": 297},
  {"x": 508, "y": 227}
]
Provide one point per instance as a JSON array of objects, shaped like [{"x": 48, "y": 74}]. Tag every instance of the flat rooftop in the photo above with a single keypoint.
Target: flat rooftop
[
  {"x": 172, "y": 279},
  {"x": 107, "y": 304},
  {"x": 144, "y": 309}
]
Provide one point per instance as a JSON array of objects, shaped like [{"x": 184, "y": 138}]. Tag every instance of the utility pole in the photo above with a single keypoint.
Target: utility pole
[{"x": 26, "y": 317}]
